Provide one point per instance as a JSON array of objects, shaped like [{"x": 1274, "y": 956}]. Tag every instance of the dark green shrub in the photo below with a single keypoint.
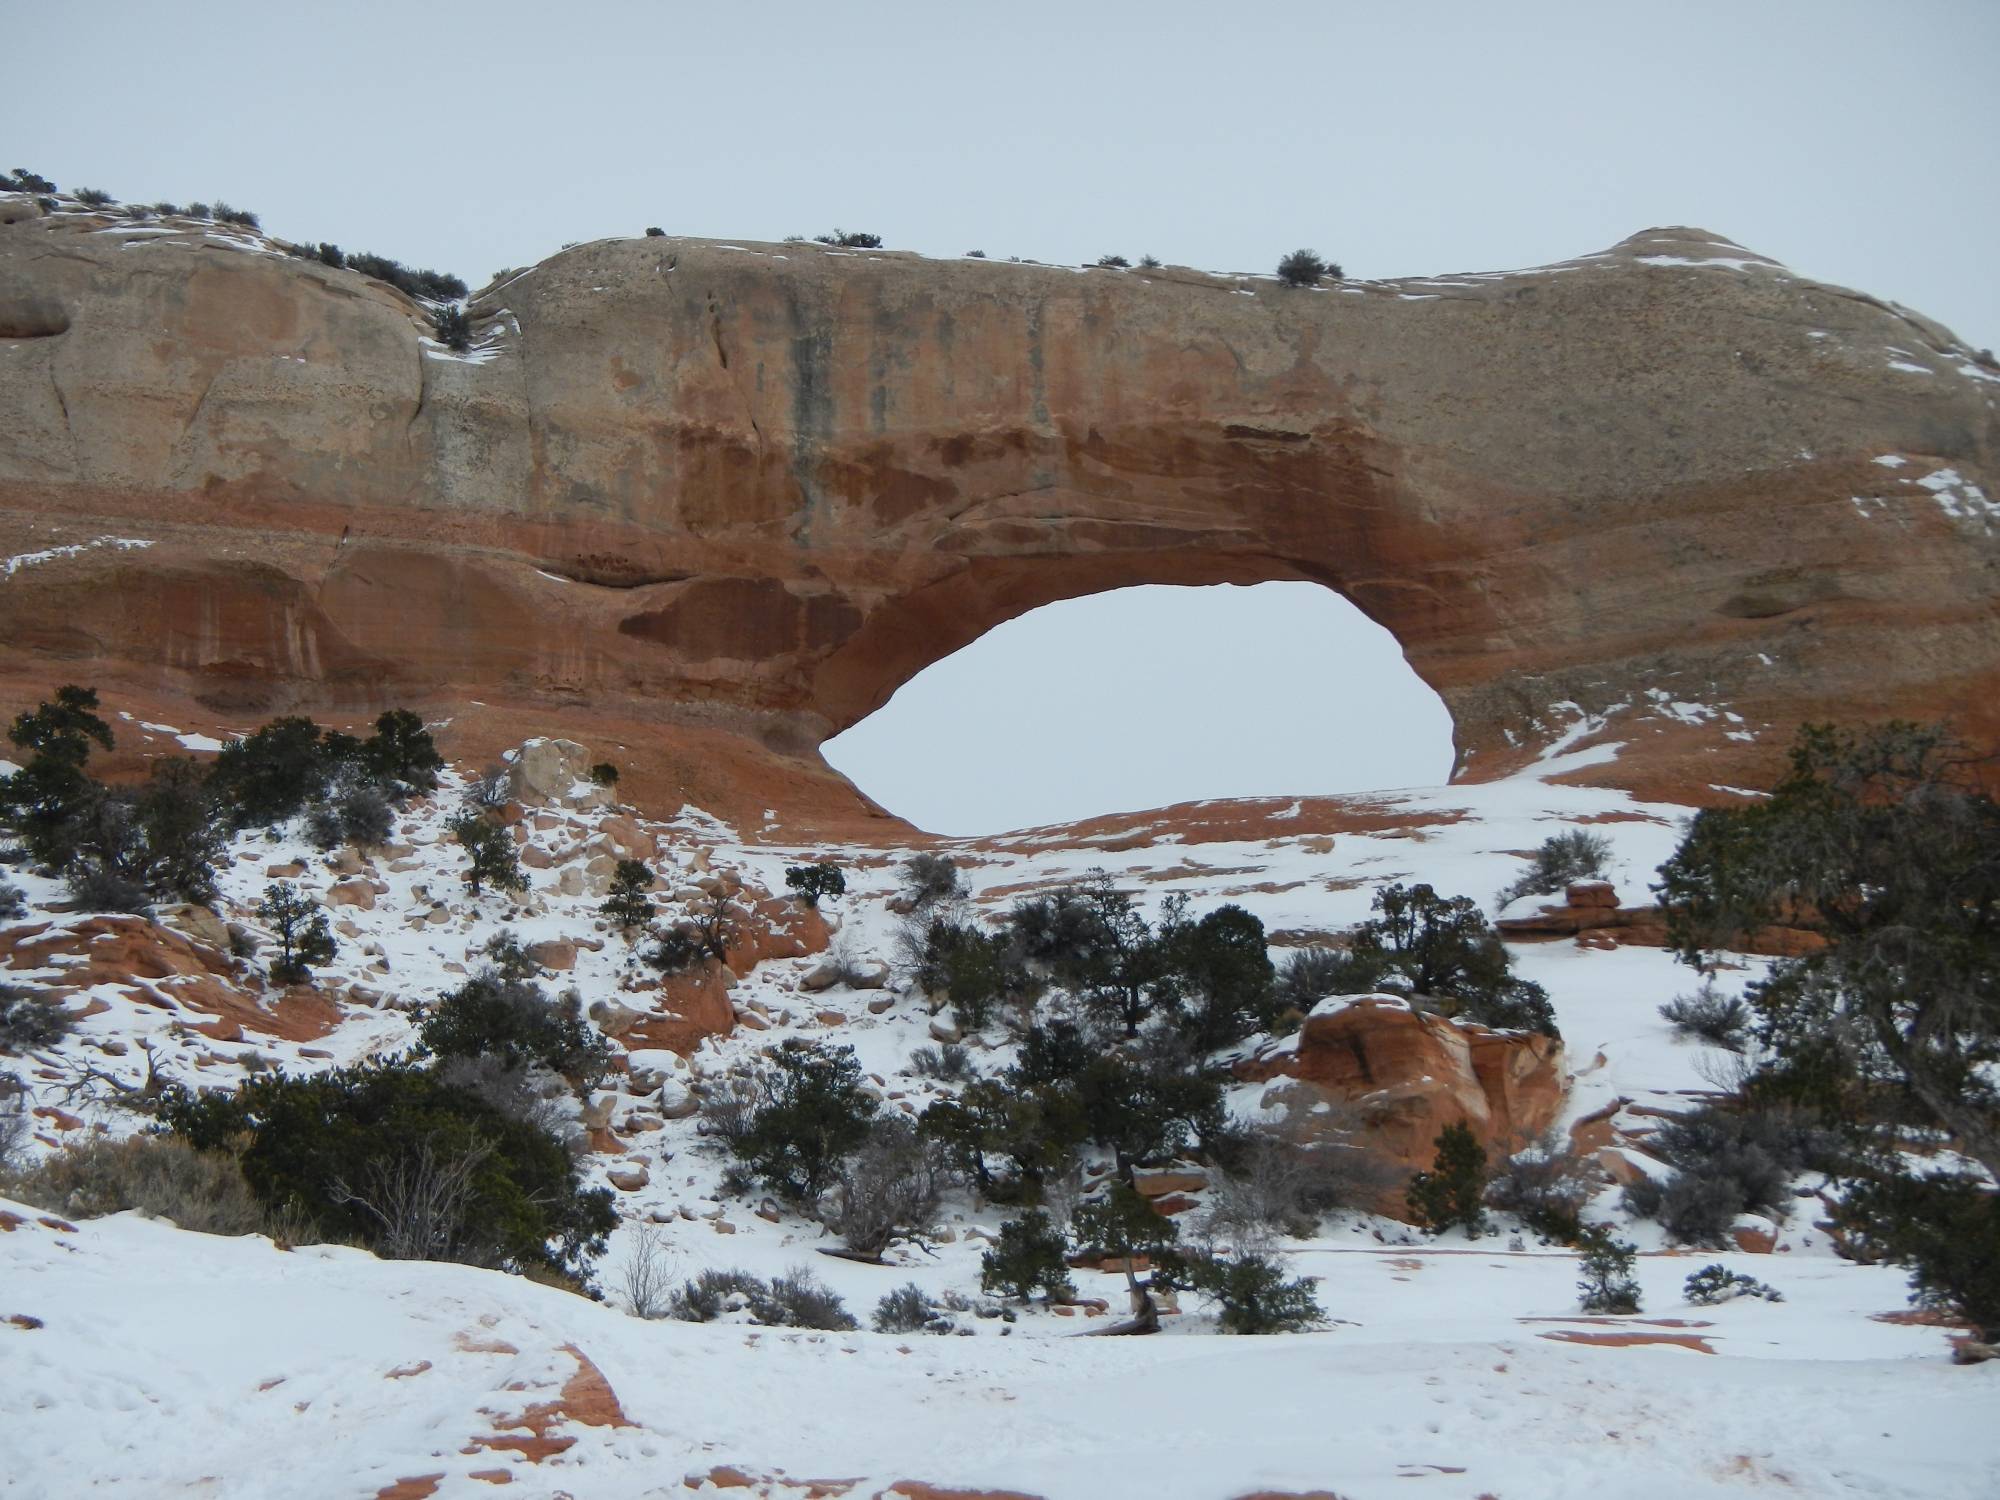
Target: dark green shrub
[
  {"x": 654, "y": 232},
  {"x": 850, "y": 240},
  {"x": 1730, "y": 1160},
  {"x": 1252, "y": 1294},
  {"x": 795, "y": 1300},
  {"x": 44, "y": 798},
  {"x": 30, "y": 1019},
  {"x": 1454, "y": 1189},
  {"x": 198, "y": 211},
  {"x": 1308, "y": 976},
  {"x": 1562, "y": 858},
  {"x": 674, "y": 951},
  {"x": 949, "y": 1063},
  {"x": 512, "y": 1020},
  {"x": 366, "y": 819},
  {"x": 128, "y": 846},
  {"x": 304, "y": 939},
  {"x": 1218, "y": 974},
  {"x": 24, "y": 181},
  {"x": 1302, "y": 268},
  {"x": 1944, "y": 1228},
  {"x": 453, "y": 328},
  {"x": 798, "y": 1299},
  {"x": 91, "y": 197},
  {"x": 1030, "y": 1253},
  {"x": 1121, "y": 1225},
  {"x": 13, "y": 902},
  {"x": 1716, "y": 1284},
  {"x": 400, "y": 754},
  {"x": 269, "y": 776},
  {"x": 1718, "y": 1019},
  {"x": 628, "y": 905},
  {"x": 1113, "y": 262},
  {"x": 810, "y": 882},
  {"x": 329, "y": 255},
  {"x": 604, "y": 774},
  {"x": 430, "y": 286},
  {"x": 1442, "y": 949},
  {"x": 1149, "y": 263},
  {"x": 1606, "y": 1263},
  {"x": 707, "y": 1297},
  {"x": 975, "y": 972},
  {"x": 489, "y": 853},
  {"x": 908, "y": 1310},
  {"x": 814, "y": 1113},
  {"x": 242, "y": 217},
  {"x": 392, "y": 1155}
]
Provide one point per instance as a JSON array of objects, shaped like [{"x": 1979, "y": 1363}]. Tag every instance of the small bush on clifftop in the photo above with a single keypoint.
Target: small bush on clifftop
[{"x": 1303, "y": 268}]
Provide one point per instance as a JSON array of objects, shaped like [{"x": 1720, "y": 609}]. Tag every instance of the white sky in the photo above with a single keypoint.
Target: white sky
[
  {"x": 1855, "y": 142},
  {"x": 1146, "y": 696}
]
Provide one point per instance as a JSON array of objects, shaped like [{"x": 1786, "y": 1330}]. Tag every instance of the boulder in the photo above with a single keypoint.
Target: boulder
[
  {"x": 677, "y": 1101},
  {"x": 545, "y": 773},
  {"x": 199, "y": 922},
  {"x": 558, "y": 954},
  {"x": 353, "y": 892},
  {"x": 1389, "y": 1078},
  {"x": 629, "y": 1177}
]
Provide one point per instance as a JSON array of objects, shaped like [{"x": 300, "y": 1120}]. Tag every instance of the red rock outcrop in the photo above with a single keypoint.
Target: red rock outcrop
[
  {"x": 160, "y": 966},
  {"x": 721, "y": 500},
  {"x": 1398, "y": 1077},
  {"x": 1590, "y": 913}
]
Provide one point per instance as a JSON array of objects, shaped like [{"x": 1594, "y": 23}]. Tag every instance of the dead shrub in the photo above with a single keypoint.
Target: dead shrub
[{"x": 161, "y": 1176}]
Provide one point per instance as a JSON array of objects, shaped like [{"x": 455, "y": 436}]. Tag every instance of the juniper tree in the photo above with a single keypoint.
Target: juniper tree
[{"x": 303, "y": 936}]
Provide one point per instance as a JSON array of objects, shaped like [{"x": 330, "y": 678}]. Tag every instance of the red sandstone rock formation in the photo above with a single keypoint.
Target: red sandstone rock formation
[
  {"x": 1400, "y": 1076},
  {"x": 1590, "y": 913},
  {"x": 721, "y": 501}
]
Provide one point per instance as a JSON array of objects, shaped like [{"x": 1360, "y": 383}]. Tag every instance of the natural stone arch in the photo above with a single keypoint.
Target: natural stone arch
[{"x": 729, "y": 496}]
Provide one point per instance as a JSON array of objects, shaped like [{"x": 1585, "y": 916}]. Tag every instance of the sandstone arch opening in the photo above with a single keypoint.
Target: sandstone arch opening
[{"x": 1146, "y": 696}]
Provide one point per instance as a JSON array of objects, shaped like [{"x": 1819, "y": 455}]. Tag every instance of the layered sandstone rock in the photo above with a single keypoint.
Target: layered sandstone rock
[
  {"x": 723, "y": 499},
  {"x": 1396, "y": 1077}
]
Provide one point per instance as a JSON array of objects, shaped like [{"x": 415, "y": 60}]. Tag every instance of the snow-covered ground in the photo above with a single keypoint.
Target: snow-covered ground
[{"x": 162, "y": 1362}]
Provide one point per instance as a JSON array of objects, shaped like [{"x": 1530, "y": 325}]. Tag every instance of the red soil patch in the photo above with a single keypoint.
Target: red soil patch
[
  {"x": 60, "y": 1226},
  {"x": 472, "y": 1343},
  {"x": 1610, "y": 1322},
  {"x": 729, "y": 1477},
  {"x": 586, "y": 1397},
  {"x": 1921, "y": 1317},
  {"x": 1692, "y": 1341},
  {"x": 422, "y": 1487},
  {"x": 492, "y": 1476},
  {"x": 404, "y": 1372},
  {"x": 9, "y": 1222},
  {"x": 916, "y": 1489},
  {"x": 22, "y": 1320}
]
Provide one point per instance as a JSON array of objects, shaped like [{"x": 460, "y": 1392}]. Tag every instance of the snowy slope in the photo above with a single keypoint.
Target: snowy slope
[{"x": 173, "y": 1363}]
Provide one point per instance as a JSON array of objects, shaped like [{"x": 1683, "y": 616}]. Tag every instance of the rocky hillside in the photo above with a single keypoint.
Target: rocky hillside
[{"x": 151, "y": 1360}]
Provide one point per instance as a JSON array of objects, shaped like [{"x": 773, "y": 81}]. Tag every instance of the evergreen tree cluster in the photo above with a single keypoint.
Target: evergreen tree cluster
[{"x": 122, "y": 847}]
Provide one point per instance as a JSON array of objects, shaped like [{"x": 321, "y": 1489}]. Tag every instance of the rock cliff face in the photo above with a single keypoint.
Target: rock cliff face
[{"x": 727, "y": 498}]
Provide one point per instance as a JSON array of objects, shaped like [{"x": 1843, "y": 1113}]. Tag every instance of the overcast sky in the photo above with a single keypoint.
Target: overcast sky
[{"x": 1855, "y": 142}]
